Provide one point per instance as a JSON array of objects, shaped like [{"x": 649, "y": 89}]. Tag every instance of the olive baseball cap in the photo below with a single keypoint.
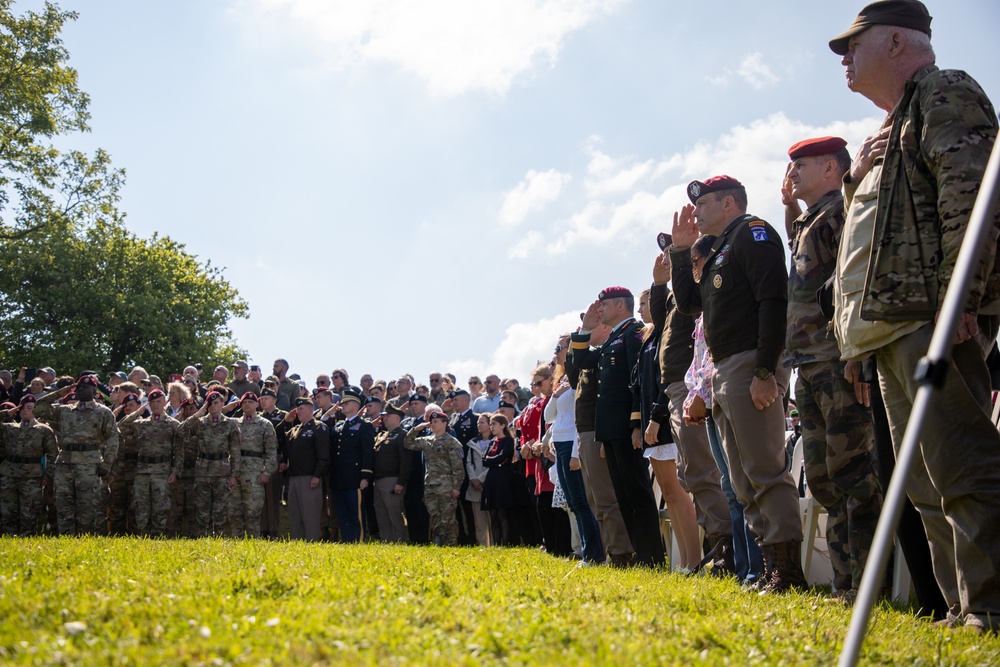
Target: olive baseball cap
[{"x": 900, "y": 13}]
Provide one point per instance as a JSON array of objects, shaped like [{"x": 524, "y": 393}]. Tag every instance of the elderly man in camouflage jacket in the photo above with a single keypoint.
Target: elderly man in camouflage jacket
[{"x": 912, "y": 188}]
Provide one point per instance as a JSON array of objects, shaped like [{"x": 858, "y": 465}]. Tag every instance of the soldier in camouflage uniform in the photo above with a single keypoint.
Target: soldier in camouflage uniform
[
  {"x": 23, "y": 444},
  {"x": 836, "y": 422},
  {"x": 259, "y": 460},
  {"x": 159, "y": 461},
  {"x": 121, "y": 519},
  {"x": 920, "y": 176},
  {"x": 88, "y": 441},
  {"x": 218, "y": 460},
  {"x": 443, "y": 477},
  {"x": 180, "y": 520}
]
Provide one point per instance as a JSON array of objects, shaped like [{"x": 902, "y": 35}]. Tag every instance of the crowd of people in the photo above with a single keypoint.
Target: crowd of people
[{"x": 692, "y": 394}]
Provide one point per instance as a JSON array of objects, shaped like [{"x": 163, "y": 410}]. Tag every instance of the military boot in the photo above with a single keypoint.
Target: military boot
[
  {"x": 767, "y": 552},
  {"x": 787, "y": 569},
  {"x": 723, "y": 563}
]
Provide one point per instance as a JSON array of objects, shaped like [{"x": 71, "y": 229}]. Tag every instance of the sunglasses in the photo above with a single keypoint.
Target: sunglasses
[{"x": 538, "y": 384}]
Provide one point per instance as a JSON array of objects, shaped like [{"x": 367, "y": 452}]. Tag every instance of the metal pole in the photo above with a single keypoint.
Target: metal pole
[{"x": 930, "y": 374}]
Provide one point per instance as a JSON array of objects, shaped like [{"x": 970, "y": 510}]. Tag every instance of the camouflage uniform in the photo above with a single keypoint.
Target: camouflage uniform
[
  {"x": 270, "y": 516},
  {"x": 218, "y": 459},
  {"x": 444, "y": 473},
  {"x": 180, "y": 519},
  {"x": 121, "y": 520},
  {"x": 836, "y": 429},
  {"x": 88, "y": 441},
  {"x": 159, "y": 456},
  {"x": 23, "y": 446},
  {"x": 259, "y": 456},
  {"x": 943, "y": 130}
]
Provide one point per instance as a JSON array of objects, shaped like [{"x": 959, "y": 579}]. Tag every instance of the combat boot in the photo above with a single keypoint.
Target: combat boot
[
  {"x": 723, "y": 563},
  {"x": 786, "y": 569},
  {"x": 767, "y": 554}
]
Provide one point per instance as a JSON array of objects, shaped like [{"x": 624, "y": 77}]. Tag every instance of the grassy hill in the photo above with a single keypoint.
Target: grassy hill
[{"x": 133, "y": 601}]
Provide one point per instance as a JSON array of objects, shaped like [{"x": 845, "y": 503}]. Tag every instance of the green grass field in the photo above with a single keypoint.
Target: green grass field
[{"x": 214, "y": 602}]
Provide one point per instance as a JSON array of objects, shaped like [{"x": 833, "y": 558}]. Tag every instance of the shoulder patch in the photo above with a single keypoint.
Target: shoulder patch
[{"x": 759, "y": 234}]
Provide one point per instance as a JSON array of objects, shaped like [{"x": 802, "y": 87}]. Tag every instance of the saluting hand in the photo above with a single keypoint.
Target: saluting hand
[
  {"x": 592, "y": 318},
  {"x": 661, "y": 269},
  {"x": 685, "y": 229}
]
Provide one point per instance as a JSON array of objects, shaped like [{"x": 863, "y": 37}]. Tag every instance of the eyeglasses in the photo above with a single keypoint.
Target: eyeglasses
[
  {"x": 558, "y": 348},
  {"x": 473, "y": 383},
  {"x": 491, "y": 382},
  {"x": 339, "y": 377},
  {"x": 539, "y": 383},
  {"x": 435, "y": 380}
]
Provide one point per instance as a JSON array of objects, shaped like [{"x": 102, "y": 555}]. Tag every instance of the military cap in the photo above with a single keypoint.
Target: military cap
[
  {"x": 322, "y": 390},
  {"x": 295, "y": 376},
  {"x": 302, "y": 400},
  {"x": 220, "y": 367},
  {"x": 437, "y": 414},
  {"x": 272, "y": 379},
  {"x": 156, "y": 393},
  {"x": 120, "y": 375},
  {"x": 505, "y": 404},
  {"x": 241, "y": 364},
  {"x": 391, "y": 409},
  {"x": 130, "y": 397},
  {"x": 47, "y": 369},
  {"x": 373, "y": 399},
  {"x": 816, "y": 147},
  {"x": 27, "y": 398},
  {"x": 418, "y": 397},
  {"x": 664, "y": 240},
  {"x": 349, "y": 395},
  {"x": 189, "y": 401},
  {"x": 212, "y": 395},
  {"x": 269, "y": 392},
  {"x": 457, "y": 393},
  {"x": 793, "y": 413},
  {"x": 615, "y": 292},
  {"x": 87, "y": 379},
  {"x": 899, "y": 13},
  {"x": 249, "y": 396},
  {"x": 698, "y": 189}
]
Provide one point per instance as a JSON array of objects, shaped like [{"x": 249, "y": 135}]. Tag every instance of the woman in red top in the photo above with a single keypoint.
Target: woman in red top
[{"x": 554, "y": 521}]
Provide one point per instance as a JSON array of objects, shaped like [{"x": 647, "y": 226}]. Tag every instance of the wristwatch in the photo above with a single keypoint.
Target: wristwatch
[{"x": 761, "y": 373}]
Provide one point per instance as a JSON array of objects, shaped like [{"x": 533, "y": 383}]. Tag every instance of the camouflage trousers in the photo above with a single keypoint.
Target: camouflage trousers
[
  {"x": 151, "y": 503},
  {"x": 120, "y": 517},
  {"x": 840, "y": 466},
  {"x": 180, "y": 518},
  {"x": 441, "y": 508},
  {"x": 211, "y": 505},
  {"x": 20, "y": 504},
  {"x": 78, "y": 496},
  {"x": 245, "y": 504}
]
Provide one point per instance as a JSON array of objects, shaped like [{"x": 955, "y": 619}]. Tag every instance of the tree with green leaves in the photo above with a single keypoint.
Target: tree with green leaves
[{"x": 78, "y": 289}]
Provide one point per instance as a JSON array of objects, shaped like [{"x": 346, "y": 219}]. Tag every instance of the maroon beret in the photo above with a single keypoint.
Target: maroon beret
[
  {"x": 156, "y": 393},
  {"x": 249, "y": 396},
  {"x": 616, "y": 292},
  {"x": 698, "y": 189},
  {"x": 87, "y": 379},
  {"x": 27, "y": 398},
  {"x": 212, "y": 395},
  {"x": 437, "y": 414},
  {"x": 131, "y": 397},
  {"x": 7, "y": 405},
  {"x": 189, "y": 401},
  {"x": 815, "y": 147}
]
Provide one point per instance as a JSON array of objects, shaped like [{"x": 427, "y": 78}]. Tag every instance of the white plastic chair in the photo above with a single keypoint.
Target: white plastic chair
[{"x": 809, "y": 507}]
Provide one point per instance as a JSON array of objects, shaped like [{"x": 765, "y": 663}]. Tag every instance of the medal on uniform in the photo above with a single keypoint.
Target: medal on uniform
[{"x": 717, "y": 281}]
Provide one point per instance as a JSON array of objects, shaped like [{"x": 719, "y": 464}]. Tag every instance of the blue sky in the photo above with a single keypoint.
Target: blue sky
[{"x": 443, "y": 185}]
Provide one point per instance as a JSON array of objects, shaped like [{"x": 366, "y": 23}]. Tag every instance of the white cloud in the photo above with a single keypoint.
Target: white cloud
[
  {"x": 753, "y": 70},
  {"x": 531, "y": 195},
  {"x": 523, "y": 346},
  {"x": 454, "y": 46},
  {"x": 646, "y": 192}
]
